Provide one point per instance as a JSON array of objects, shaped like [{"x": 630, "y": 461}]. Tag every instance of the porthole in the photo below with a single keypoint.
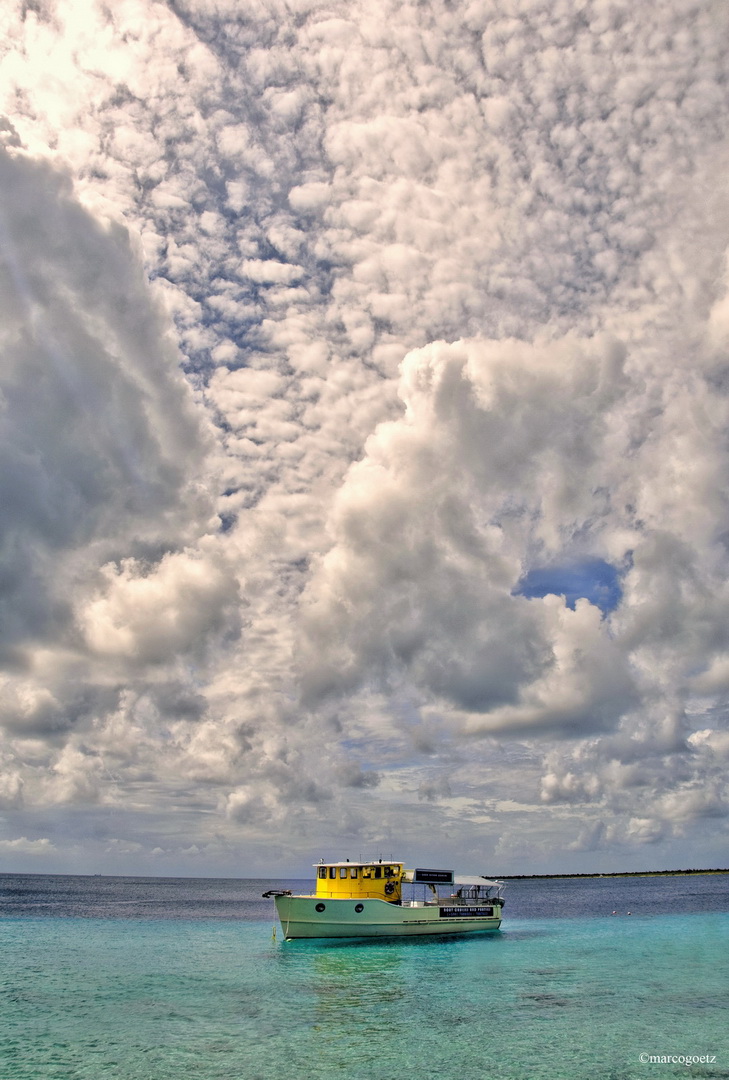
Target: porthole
[
  {"x": 321, "y": 907},
  {"x": 359, "y": 908}
]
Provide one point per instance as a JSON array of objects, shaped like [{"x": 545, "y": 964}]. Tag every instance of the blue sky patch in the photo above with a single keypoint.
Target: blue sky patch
[{"x": 595, "y": 580}]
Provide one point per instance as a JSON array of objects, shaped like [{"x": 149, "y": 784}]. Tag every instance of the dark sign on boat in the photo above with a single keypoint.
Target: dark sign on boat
[
  {"x": 461, "y": 912},
  {"x": 433, "y": 877}
]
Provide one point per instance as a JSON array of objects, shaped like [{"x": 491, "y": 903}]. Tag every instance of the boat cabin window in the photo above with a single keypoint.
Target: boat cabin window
[
  {"x": 378, "y": 871},
  {"x": 322, "y": 871},
  {"x": 342, "y": 871},
  {"x": 353, "y": 872},
  {"x": 332, "y": 871}
]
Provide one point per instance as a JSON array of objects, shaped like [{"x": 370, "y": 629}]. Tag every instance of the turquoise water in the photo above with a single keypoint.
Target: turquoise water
[{"x": 186, "y": 991}]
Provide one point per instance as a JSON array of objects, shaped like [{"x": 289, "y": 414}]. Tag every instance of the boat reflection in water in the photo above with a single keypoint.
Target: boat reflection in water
[{"x": 382, "y": 899}]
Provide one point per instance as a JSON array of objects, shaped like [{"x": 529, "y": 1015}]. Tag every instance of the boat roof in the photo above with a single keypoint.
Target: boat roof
[
  {"x": 465, "y": 879},
  {"x": 360, "y": 862},
  {"x": 449, "y": 877}
]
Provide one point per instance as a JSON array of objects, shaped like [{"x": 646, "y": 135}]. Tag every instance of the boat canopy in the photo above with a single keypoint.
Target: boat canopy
[{"x": 466, "y": 879}]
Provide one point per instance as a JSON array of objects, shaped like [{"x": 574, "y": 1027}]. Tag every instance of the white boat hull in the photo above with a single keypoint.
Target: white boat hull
[{"x": 342, "y": 918}]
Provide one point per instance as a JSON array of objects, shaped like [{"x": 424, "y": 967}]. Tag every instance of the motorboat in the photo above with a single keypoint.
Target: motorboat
[{"x": 384, "y": 899}]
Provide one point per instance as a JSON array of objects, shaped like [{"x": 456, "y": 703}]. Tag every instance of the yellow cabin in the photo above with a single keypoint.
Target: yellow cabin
[{"x": 348, "y": 880}]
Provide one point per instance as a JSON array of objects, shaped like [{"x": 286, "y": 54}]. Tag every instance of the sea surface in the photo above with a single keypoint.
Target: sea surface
[{"x": 117, "y": 978}]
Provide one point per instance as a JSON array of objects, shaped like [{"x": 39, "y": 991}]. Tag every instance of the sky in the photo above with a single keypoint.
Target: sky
[{"x": 364, "y": 470}]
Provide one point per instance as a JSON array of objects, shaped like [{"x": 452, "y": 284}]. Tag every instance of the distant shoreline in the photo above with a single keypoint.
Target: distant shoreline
[{"x": 621, "y": 873}]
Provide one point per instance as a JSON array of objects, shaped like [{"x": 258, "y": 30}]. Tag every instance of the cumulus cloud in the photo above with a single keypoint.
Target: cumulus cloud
[
  {"x": 500, "y": 458},
  {"x": 154, "y": 617},
  {"x": 21, "y": 845},
  {"x": 105, "y": 481},
  {"x": 101, "y": 446}
]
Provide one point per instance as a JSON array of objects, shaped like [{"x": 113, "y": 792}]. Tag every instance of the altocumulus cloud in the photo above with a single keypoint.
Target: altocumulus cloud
[{"x": 328, "y": 330}]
